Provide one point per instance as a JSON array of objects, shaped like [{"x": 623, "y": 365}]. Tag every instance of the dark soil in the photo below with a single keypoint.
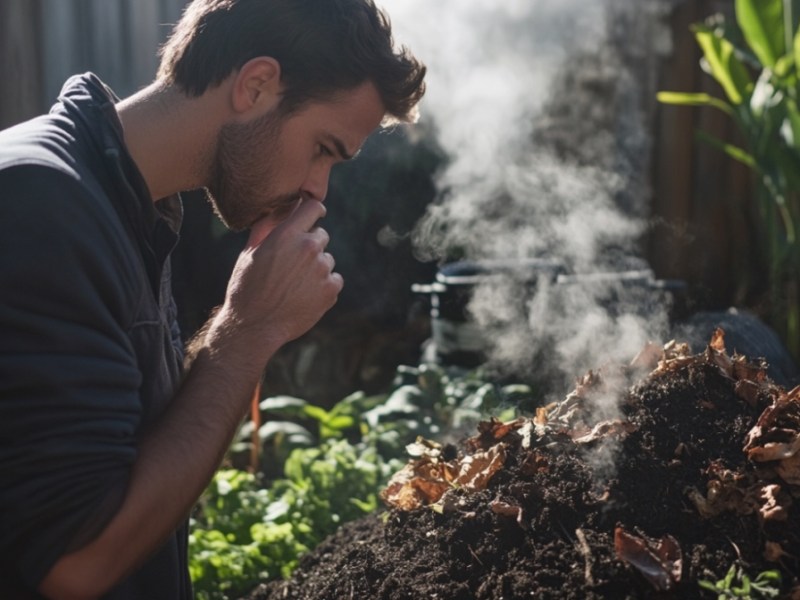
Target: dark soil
[{"x": 689, "y": 427}]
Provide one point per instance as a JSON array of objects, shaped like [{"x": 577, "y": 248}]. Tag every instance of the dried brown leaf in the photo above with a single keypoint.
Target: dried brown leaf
[
  {"x": 747, "y": 390},
  {"x": 476, "y": 470},
  {"x": 659, "y": 561},
  {"x": 534, "y": 463},
  {"x": 418, "y": 484},
  {"x": 776, "y": 434},
  {"x": 773, "y": 552},
  {"x": 423, "y": 447},
  {"x": 744, "y": 369},
  {"x": 725, "y": 491},
  {"x": 789, "y": 470},
  {"x": 507, "y": 509},
  {"x": 541, "y": 414},
  {"x": 648, "y": 357},
  {"x": 776, "y": 503},
  {"x": 719, "y": 358},
  {"x": 617, "y": 428}
]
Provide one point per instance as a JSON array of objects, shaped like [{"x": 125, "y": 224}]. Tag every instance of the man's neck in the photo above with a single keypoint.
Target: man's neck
[{"x": 170, "y": 137}]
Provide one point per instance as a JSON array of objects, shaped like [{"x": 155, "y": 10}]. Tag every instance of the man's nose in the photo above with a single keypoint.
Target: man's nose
[{"x": 316, "y": 184}]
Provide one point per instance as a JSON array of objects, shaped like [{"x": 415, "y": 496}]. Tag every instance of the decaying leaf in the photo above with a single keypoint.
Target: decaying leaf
[
  {"x": 776, "y": 437},
  {"x": 717, "y": 355},
  {"x": 542, "y": 412},
  {"x": 648, "y": 357},
  {"x": 717, "y": 342},
  {"x": 727, "y": 491},
  {"x": 534, "y": 463},
  {"x": 507, "y": 509},
  {"x": 789, "y": 470},
  {"x": 617, "y": 429},
  {"x": 773, "y": 551},
  {"x": 776, "y": 503},
  {"x": 744, "y": 369},
  {"x": 424, "y": 481},
  {"x": 476, "y": 470},
  {"x": 418, "y": 484},
  {"x": 492, "y": 431},
  {"x": 674, "y": 357},
  {"x": 747, "y": 390},
  {"x": 423, "y": 447},
  {"x": 659, "y": 561}
]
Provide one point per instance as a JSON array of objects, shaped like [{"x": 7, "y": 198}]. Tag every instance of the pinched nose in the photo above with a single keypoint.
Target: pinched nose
[{"x": 316, "y": 185}]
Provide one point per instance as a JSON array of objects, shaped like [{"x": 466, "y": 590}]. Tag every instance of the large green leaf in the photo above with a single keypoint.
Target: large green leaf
[
  {"x": 725, "y": 67},
  {"x": 692, "y": 99},
  {"x": 761, "y": 22}
]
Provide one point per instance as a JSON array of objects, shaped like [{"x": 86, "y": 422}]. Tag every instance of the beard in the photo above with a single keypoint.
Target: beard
[{"x": 242, "y": 169}]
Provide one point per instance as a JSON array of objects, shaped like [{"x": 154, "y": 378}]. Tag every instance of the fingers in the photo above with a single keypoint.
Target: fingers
[
  {"x": 304, "y": 217},
  {"x": 301, "y": 218},
  {"x": 329, "y": 261}
]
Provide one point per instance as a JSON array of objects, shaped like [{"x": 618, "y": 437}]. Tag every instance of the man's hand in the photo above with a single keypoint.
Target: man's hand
[{"x": 283, "y": 281}]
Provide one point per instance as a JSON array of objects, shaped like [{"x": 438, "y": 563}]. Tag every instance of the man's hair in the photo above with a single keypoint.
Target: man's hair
[{"x": 323, "y": 47}]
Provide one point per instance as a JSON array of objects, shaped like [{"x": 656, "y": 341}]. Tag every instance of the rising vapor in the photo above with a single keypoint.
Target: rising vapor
[{"x": 541, "y": 117}]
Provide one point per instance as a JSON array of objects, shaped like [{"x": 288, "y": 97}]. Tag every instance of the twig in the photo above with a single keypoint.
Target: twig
[
  {"x": 255, "y": 438},
  {"x": 583, "y": 546},
  {"x": 475, "y": 556}
]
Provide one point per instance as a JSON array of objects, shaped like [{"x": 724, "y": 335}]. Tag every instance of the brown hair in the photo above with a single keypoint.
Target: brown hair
[{"x": 323, "y": 47}]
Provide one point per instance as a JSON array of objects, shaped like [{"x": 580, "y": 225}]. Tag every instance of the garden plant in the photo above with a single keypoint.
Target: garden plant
[{"x": 755, "y": 60}]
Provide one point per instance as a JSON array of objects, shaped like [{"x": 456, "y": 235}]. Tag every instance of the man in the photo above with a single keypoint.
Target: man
[{"x": 105, "y": 441}]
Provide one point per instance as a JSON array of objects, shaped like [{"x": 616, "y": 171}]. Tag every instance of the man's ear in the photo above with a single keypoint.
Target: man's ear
[{"x": 257, "y": 86}]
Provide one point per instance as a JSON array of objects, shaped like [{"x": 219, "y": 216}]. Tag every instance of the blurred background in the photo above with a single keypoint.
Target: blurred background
[{"x": 539, "y": 114}]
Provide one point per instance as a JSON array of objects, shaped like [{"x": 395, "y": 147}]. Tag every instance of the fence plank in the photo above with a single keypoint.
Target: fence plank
[
  {"x": 62, "y": 50},
  {"x": 19, "y": 61},
  {"x": 143, "y": 41},
  {"x": 107, "y": 33}
]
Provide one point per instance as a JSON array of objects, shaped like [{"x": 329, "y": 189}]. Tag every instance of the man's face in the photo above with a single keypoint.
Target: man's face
[{"x": 261, "y": 168}]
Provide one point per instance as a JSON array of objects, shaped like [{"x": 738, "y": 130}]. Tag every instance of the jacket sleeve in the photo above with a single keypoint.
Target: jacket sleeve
[{"x": 69, "y": 382}]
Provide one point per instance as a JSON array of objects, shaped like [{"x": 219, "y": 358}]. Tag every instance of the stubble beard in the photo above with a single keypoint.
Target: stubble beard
[{"x": 242, "y": 170}]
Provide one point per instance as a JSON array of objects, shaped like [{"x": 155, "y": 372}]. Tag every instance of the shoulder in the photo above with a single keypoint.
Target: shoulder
[
  {"x": 58, "y": 235},
  {"x": 46, "y": 141}
]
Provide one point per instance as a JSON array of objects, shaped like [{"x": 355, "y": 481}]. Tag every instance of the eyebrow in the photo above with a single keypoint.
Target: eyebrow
[{"x": 341, "y": 148}]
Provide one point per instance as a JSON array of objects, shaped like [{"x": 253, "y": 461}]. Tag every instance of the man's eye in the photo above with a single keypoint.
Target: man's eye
[{"x": 324, "y": 150}]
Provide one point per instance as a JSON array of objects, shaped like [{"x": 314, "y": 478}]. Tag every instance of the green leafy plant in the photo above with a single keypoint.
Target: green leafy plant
[
  {"x": 243, "y": 533},
  {"x": 737, "y": 584},
  {"x": 755, "y": 60}
]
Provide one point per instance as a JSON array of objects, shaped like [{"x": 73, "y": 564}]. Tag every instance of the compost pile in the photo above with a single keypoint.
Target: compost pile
[{"x": 641, "y": 482}]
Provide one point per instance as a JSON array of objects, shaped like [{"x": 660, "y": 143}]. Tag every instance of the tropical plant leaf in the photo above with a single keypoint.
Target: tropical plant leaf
[
  {"x": 694, "y": 99},
  {"x": 796, "y": 47},
  {"x": 761, "y": 22},
  {"x": 733, "y": 151},
  {"x": 725, "y": 66}
]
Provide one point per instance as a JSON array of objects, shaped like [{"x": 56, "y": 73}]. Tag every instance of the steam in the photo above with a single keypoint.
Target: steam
[{"x": 540, "y": 115}]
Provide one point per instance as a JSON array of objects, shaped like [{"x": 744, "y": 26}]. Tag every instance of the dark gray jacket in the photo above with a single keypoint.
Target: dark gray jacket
[{"x": 90, "y": 353}]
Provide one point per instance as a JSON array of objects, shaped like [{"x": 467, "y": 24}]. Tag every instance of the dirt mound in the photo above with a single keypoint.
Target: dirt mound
[{"x": 632, "y": 487}]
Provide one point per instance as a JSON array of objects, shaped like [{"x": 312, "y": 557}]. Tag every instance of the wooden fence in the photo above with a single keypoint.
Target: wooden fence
[
  {"x": 42, "y": 42},
  {"x": 702, "y": 200}
]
